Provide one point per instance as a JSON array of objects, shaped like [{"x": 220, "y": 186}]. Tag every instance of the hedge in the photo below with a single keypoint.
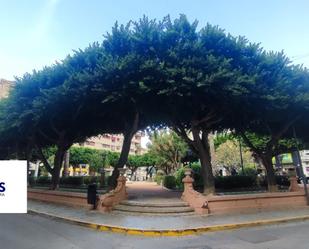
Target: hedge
[
  {"x": 43, "y": 180},
  {"x": 196, "y": 172},
  {"x": 169, "y": 182},
  {"x": 237, "y": 181},
  {"x": 70, "y": 181},
  {"x": 230, "y": 182}
]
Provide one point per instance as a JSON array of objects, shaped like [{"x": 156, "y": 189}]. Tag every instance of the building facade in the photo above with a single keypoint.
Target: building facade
[
  {"x": 112, "y": 142},
  {"x": 5, "y": 87}
]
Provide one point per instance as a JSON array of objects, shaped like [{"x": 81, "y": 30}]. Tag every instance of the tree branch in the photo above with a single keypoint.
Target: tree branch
[
  {"x": 44, "y": 160},
  {"x": 46, "y": 137},
  {"x": 180, "y": 131},
  {"x": 286, "y": 127},
  {"x": 250, "y": 144}
]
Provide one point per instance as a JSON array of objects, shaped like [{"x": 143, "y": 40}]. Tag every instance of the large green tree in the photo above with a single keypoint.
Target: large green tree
[
  {"x": 168, "y": 149},
  {"x": 150, "y": 73},
  {"x": 279, "y": 102}
]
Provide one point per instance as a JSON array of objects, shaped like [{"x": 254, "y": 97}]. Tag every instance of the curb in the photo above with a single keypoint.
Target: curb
[{"x": 170, "y": 232}]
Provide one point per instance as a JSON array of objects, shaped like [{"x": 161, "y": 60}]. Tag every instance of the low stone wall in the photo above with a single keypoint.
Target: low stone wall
[
  {"x": 255, "y": 202},
  {"x": 244, "y": 203},
  {"x": 59, "y": 197},
  {"x": 109, "y": 200}
]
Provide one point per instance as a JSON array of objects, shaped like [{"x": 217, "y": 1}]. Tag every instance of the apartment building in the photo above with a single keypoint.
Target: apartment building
[
  {"x": 114, "y": 142},
  {"x": 5, "y": 86}
]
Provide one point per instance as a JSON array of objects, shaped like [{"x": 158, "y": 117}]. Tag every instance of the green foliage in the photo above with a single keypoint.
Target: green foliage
[
  {"x": 72, "y": 181},
  {"x": 282, "y": 181},
  {"x": 43, "y": 180},
  {"x": 196, "y": 173},
  {"x": 222, "y": 137},
  {"x": 167, "y": 150},
  {"x": 112, "y": 158},
  {"x": 91, "y": 179},
  {"x": 95, "y": 158},
  {"x": 235, "y": 182},
  {"x": 249, "y": 171},
  {"x": 158, "y": 179},
  {"x": 228, "y": 155},
  {"x": 32, "y": 181},
  {"x": 166, "y": 73},
  {"x": 169, "y": 182},
  {"x": 221, "y": 182}
]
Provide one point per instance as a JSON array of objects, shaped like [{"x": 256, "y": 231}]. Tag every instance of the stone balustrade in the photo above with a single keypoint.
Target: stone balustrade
[{"x": 109, "y": 200}]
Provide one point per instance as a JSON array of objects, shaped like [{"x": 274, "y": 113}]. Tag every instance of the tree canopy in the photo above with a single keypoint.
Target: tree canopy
[{"x": 152, "y": 73}]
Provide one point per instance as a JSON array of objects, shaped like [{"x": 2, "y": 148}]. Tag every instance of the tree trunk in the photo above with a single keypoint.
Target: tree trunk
[
  {"x": 271, "y": 177},
  {"x": 125, "y": 150},
  {"x": 66, "y": 164},
  {"x": 29, "y": 155},
  {"x": 57, "y": 168},
  {"x": 203, "y": 149},
  {"x": 28, "y": 158}
]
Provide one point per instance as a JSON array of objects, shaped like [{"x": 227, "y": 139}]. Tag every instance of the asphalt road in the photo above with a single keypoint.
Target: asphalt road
[{"x": 34, "y": 232}]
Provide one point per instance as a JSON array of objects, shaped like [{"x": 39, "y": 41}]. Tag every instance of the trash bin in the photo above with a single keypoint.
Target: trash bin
[{"x": 92, "y": 194}]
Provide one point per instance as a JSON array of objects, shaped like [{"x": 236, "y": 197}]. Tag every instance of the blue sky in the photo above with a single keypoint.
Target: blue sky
[{"x": 35, "y": 33}]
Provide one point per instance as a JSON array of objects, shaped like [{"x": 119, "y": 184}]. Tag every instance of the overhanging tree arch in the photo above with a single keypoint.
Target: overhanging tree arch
[{"x": 151, "y": 73}]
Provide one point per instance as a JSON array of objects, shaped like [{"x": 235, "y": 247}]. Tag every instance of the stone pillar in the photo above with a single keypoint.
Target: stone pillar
[
  {"x": 294, "y": 187},
  {"x": 121, "y": 185},
  {"x": 187, "y": 180},
  {"x": 195, "y": 199},
  {"x": 114, "y": 197}
]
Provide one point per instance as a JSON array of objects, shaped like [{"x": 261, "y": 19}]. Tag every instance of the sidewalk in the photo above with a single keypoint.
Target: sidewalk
[
  {"x": 95, "y": 219},
  {"x": 151, "y": 192}
]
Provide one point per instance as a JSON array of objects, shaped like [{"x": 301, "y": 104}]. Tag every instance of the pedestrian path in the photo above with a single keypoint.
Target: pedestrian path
[
  {"x": 151, "y": 192},
  {"x": 146, "y": 222}
]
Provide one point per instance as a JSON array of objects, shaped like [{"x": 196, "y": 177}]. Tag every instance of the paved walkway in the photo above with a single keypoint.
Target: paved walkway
[
  {"x": 151, "y": 192},
  {"x": 158, "y": 222}
]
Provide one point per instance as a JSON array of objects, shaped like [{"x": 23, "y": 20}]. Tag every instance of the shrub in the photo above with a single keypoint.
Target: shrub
[
  {"x": 72, "y": 181},
  {"x": 32, "y": 181},
  {"x": 196, "y": 173},
  {"x": 179, "y": 175},
  {"x": 249, "y": 171},
  {"x": 91, "y": 179},
  {"x": 169, "y": 182},
  {"x": 43, "y": 180},
  {"x": 237, "y": 181},
  {"x": 158, "y": 179},
  {"x": 282, "y": 181}
]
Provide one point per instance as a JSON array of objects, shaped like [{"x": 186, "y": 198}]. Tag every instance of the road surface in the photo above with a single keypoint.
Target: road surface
[{"x": 35, "y": 232}]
